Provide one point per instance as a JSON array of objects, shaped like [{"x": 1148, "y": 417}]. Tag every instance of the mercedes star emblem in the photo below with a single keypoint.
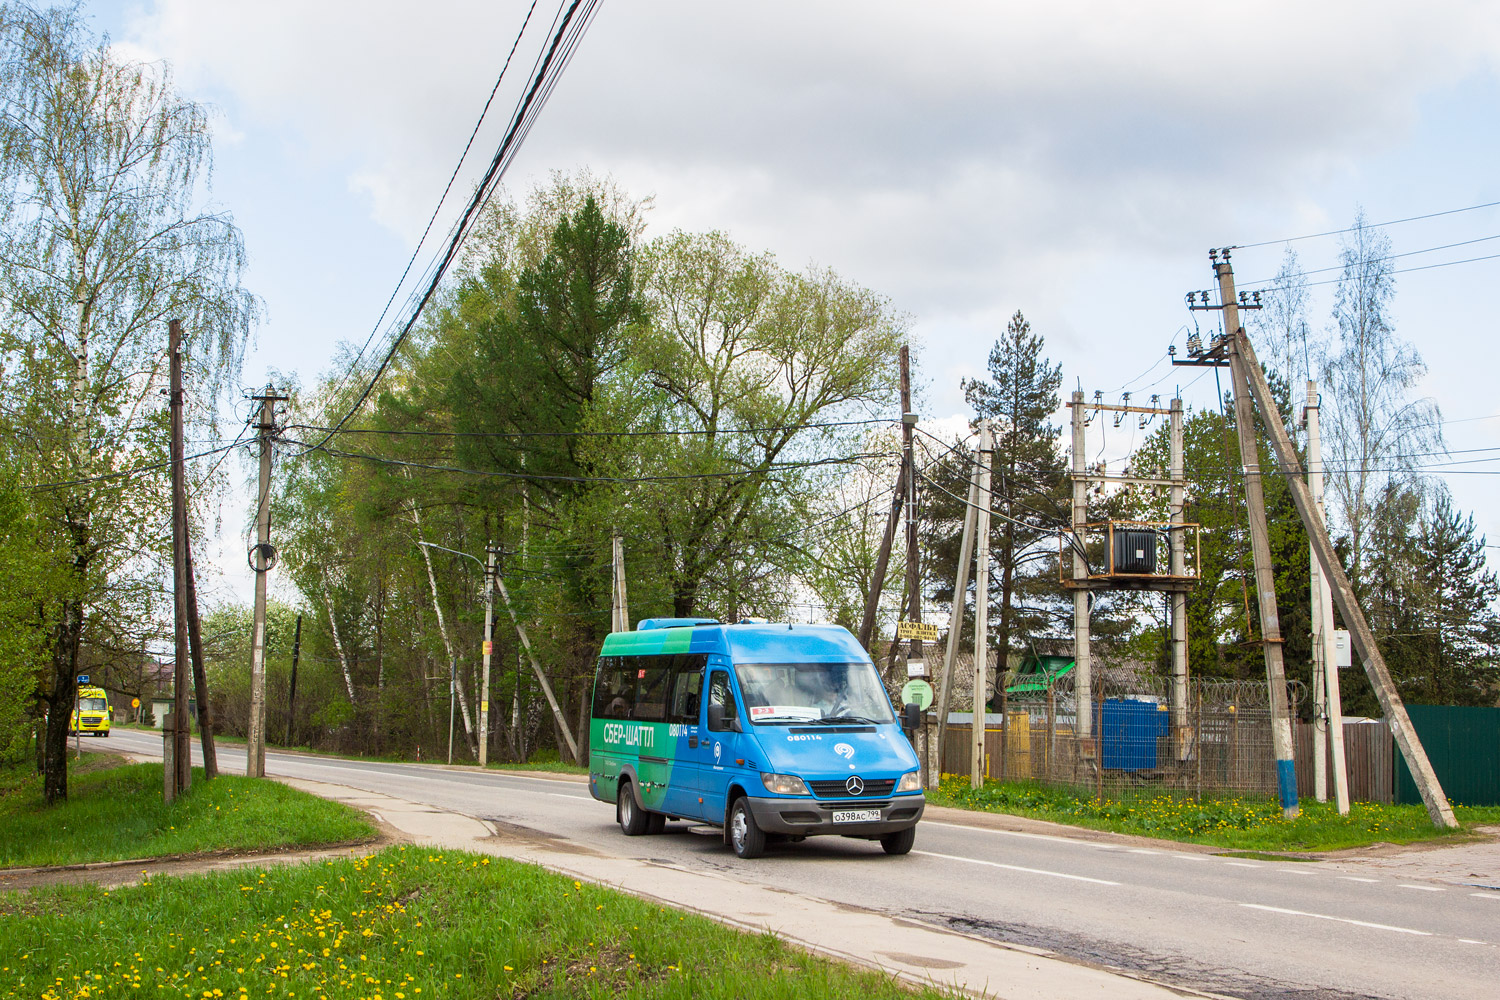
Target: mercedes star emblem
[{"x": 855, "y": 785}]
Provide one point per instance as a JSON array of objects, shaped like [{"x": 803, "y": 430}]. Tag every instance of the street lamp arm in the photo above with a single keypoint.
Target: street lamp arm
[{"x": 444, "y": 548}]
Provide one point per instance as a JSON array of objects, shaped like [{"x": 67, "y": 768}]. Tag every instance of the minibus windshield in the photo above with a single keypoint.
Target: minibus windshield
[
  {"x": 813, "y": 693},
  {"x": 91, "y": 704}
]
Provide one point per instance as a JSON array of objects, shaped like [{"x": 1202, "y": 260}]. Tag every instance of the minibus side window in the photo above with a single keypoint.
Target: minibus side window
[
  {"x": 687, "y": 688},
  {"x": 614, "y": 691},
  {"x": 719, "y": 694},
  {"x": 652, "y": 676}
]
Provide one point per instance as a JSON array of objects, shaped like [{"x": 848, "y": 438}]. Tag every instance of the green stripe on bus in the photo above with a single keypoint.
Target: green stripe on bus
[{"x": 654, "y": 640}]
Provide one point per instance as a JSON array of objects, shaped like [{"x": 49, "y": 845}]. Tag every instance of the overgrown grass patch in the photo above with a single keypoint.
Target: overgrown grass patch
[
  {"x": 1231, "y": 822},
  {"x": 117, "y": 813},
  {"x": 406, "y": 923}
]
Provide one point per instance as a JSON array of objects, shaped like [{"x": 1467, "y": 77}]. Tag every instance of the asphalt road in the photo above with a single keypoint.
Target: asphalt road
[{"x": 1244, "y": 928}]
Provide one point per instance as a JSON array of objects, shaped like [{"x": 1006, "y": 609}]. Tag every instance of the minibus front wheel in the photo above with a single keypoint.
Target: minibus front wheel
[
  {"x": 899, "y": 842},
  {"x": 745, "y": 838}
]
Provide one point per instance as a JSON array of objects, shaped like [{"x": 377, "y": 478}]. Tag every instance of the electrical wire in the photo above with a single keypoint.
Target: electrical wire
[
  {"x": 1376, "y": 225},
  {"x": 154, "y": 466},
  {"x": 670, "y": 432},
  {"x": 1380, "y": 260}
]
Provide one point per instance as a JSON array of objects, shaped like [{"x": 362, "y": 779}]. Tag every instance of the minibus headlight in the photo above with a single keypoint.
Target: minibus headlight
[
  {"x": 784, "y": 784},
  {"x": 911, "y": 781}
]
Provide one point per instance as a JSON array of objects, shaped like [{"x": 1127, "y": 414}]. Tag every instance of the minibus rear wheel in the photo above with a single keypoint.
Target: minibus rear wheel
[
  {"x": 899, "y": 842},
  {"x": 633, "y": 819}
]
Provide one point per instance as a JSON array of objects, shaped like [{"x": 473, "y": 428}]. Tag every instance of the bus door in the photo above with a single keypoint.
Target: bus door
[
  {"x": 684, "y": 713},
  {"x": 719, "y": 749}
]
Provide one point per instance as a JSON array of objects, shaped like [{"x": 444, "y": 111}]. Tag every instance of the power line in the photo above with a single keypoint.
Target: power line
[
  {"x": 129, "y": 472},
  {"x": 1375, "y": 225},
  {"x": 668, "y": 432},
  {"x": 1394, "y": 256},
  {"x": 482, "y": 193},
  {"x": 441, "y": 200}
]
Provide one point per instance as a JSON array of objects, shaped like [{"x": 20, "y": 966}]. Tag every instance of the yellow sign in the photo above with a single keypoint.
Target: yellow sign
[
  {"x": 916, "y": 630},
  {"x": 135, "y": 703},
  {"x": 488, "y": 647}
]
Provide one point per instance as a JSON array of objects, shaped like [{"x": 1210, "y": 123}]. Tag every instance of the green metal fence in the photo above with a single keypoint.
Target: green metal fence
[{"x": 1463, "y": 744}]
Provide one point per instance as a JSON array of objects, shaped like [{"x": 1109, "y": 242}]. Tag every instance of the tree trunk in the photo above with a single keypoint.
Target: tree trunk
[{"x": 60, "y": 700}]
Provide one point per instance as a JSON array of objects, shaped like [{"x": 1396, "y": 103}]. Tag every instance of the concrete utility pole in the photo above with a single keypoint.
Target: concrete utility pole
[
  {"x": 1260, "y": 545},
  {"x": 536, "y": 668},
  {"x": 1178, "y": 547},
  {"x": 489, "y": 645},
  {"x": 200, "y": 677},
  {"x": 1343, "y": 595},
  {"x": 960, "y": 589},
  {"x": 1083, "y": 695},
  {"x": 981, "y": 603},
  {"x": 262, "y": 558},
  {"x": 178, "y": 776},
  {"x": 619, "y": 606},
  {"x": 1329, "y": 710}
]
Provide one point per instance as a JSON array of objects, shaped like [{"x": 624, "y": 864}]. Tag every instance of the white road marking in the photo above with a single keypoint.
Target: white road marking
[
  {"x": 1189, "y": 857},
  {"x": 1241, "y": 864},
  {"x": 1017, "y": 868},
  {"x": 1422, "y": 888},
  {"x": 1142, "y": 850},
  {"x": 1486, "y": 895},
  {"x": 564, "y": 795},
  {"x": 1356, "y": 878},
  {"x": 1470, "y": 941},
  {"x": 1016, "y": 833},
  {"x": 1342, "y": 920}
]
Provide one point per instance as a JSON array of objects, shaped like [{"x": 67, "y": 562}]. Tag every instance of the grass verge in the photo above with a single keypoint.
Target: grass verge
[
  {"x": 1233, "y": 823},
  {"x": 115, "y": 813},
  {"x": 402, "y": 924}
]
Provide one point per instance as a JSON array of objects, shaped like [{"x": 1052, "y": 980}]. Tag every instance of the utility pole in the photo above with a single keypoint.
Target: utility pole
[
  {"x": 619, "y": 606},
  {"x": 536, "y": 667},
  {"x": 262, "y": 558},
  {"x": 200, "y": 678},
  {"x": 981, "y": 604},
  {"x": 177, "y": 777},
  {"x": 489, "y": 645},
  {"x": 1082, "y": 666},
  {"x": 904, "y": 484},
  {"x": 1376, "y": 670},
  {"x": 960, "y": 589},
  {"x": 1329, "y": 711},
  {"x": 909, "y": 459},
  {"x": 1178, "y": 546},
  {"x": 291, "y": 695},
  {"x": 1260, "y": 542},
  {"x": 452, "y": 699}
]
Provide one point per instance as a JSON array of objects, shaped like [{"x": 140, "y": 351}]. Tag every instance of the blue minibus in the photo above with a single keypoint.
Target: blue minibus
[{"x": 770, "y": 731}]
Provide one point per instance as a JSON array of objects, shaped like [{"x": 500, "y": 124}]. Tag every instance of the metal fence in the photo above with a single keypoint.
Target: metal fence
[{"x": 1221, "y": 744}]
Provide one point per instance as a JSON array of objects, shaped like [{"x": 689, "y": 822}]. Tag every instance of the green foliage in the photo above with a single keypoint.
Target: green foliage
[
  {"x": 114, "y": 813},
  {"x": 402, "y": 923},
  {"x": 29, "y": 579}
]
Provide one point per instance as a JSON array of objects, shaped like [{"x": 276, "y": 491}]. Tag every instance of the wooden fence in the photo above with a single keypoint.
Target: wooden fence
[{"x": 1368, "y": 754}]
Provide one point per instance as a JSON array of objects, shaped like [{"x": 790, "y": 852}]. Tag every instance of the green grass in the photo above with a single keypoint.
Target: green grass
[
  {"x": 548, "y": 766},
  {"x": 1230, "y": 822},
  {"x": 402, "y": 924},
  {"x": 117, "y": 813}
]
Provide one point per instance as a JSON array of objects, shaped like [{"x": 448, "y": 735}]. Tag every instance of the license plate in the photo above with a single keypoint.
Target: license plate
[{"x": 857, "y": 816}]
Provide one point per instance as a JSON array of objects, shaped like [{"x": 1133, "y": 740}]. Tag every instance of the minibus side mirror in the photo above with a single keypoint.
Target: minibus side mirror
[
  {"x": 911, "y": 717},
  {"x": 715, "y": 717}
]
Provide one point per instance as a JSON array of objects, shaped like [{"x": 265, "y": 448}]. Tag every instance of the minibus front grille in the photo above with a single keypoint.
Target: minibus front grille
[
  {"x": 839, "y": 788},
  {"x": 820, "y": 730}
]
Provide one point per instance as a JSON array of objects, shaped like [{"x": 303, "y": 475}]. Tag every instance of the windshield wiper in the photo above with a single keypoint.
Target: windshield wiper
[{"x": 835, "y": 720}]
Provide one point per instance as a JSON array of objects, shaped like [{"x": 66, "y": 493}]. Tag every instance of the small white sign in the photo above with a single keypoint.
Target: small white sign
[
  {"x": 916, "y": 668},
  {"x": 1343, "y": 656}
]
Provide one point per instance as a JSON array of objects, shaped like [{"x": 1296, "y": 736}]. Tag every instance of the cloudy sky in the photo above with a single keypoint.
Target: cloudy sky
[{"x": 967, "y": 159}]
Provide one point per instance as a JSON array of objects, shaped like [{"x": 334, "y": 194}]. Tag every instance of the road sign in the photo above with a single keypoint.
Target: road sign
[
  {"x": 135, "y": 703},
  {"x": 919, "y": 692},
  {"x": 486, "y": 647},
  {"x": 916, "y": 630},
  {"x": 83, "y": 678}
]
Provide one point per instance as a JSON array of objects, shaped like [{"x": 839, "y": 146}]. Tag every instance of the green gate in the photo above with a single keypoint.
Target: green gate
[{"x": 1463, "y": 744}]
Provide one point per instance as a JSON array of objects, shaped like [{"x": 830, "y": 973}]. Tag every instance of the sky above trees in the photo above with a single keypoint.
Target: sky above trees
[{"x": 967, "y": 161}]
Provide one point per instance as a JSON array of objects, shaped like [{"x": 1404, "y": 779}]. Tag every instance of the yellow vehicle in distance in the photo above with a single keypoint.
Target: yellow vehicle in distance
[{"x": 92, "y": 713}]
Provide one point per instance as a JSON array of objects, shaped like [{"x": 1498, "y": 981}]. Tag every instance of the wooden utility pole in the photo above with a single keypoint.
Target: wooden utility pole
[
  {"x": 908, "y": 459},
  {"x": 1343, "y": 596},
  {"x": 262, "y": 558},
  {"x": 200, "y": 678},
  {"x": 291, "y": 694},
  {"x": 1177, "y": 545},
  {"x": 1260, "y": 545},
  {"x": 1082, "y": 667},
  {"x": 981, "y": 603},
  {"x": 177, "y": 777},
  {"x": 489, "y": 645},
  {"x": 1329, "y": 710},
  {"x": 960, "y": 589}
]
